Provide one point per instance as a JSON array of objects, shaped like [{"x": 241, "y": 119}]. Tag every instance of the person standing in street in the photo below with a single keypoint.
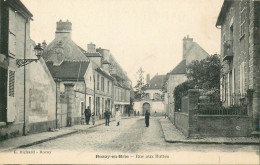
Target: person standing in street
[
  {"x": 87, "y": 115},
  {"x": 147, "y": 116},
  {"x": 118, "y": 116},
  {"x": 93, "y": 118},
  {"x": 107, "y": 116}
]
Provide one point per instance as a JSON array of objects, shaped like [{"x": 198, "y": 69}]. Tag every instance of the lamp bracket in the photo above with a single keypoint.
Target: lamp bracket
[{"x": 23, "y": 62}]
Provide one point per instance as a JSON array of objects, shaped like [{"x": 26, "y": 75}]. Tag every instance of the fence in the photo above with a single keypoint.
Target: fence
[
  {"x": 209, "y": 104},
  {"x": 202, "y": 115}
]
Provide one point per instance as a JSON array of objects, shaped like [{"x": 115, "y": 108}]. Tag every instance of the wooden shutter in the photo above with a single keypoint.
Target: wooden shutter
[
  {"x": 12, "y": 33},
  {"x": 11, "y": 99}
]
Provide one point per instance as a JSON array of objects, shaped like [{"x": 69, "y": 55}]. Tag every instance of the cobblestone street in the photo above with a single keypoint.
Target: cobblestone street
[{"x": 132, "y": 136}]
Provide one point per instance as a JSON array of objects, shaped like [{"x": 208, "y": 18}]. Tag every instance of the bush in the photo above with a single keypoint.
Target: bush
[{"x": 181, "y": 91}]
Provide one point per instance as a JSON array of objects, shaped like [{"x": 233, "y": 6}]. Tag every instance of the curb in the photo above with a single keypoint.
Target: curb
[
  {"x": 52, "y": 138},
  {"x": 205, "y": 142}
]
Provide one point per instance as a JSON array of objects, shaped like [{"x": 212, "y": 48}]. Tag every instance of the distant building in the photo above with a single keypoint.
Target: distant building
[
  {"x": 191, "y": 51},
  {"x": 102, "y": 90},
  {"x": 154, "y": 97},
  {"x": 27, "y": 93},
  {"x": 240, "y": 56},
  {"x": 122, "y": 85}
]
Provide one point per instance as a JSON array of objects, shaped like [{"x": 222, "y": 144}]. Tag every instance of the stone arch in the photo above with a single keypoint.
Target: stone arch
[{"x": 146, "y": 106}]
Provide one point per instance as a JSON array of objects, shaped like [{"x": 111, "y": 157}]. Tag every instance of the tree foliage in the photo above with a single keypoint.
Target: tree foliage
[
  {"x": 140, "y": 86},
  {"x": 205, "y": 74},
  {"x": 181, "y": 91}
]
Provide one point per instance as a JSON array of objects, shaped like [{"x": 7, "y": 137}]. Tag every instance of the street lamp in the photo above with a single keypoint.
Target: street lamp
[
  {"x": 22, "y": 62},
  {"x": 38, "y": 52}
]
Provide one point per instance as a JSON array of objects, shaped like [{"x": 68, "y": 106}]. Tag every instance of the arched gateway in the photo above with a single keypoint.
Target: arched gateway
[{"x": 146, "y": 106}]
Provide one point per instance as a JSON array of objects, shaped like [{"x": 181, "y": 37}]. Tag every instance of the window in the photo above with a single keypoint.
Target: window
[
  {"x": 108, "y": 86},
  {"x": 102, "y": 84},
  {"x": 242, "y": 79},
  {"x": 11, "y": 83},
  {"x": 97, "y": 82},
  {"x": 242, "y": 21}
]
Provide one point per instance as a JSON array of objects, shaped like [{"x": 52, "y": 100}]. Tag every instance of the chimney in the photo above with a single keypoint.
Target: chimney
[
  {"x": 91, "y": 48},
  {"x": 187, "y": 42},
  {"x": 44, "y": 44},
  {"x": 147, "y": 78},
  {"x": 63, "y": 29}
]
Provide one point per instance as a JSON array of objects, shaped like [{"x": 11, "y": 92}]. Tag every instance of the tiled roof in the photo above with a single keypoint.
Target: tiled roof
[
  {"x": 157, "y": 82},
  {"x": 180, "y": 68},
  {"x": 68, "y": 70},
  {"x": 67, "y": 48}
]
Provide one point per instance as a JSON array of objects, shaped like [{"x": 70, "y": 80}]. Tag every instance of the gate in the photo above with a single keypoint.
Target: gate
[{"x": 146, "y": 107}]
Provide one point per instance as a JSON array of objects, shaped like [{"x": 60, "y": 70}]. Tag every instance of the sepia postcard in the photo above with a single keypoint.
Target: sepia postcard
[{"x": 129, "y": 81}]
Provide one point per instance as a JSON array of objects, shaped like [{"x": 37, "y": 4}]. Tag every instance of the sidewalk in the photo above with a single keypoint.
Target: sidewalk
[
  {"x": 32, "y": 139},
  {"x": 173, "y": 135}
]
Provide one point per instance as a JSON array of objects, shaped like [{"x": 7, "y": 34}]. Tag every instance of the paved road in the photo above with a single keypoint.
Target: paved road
[{"x": 132, "y": 137}]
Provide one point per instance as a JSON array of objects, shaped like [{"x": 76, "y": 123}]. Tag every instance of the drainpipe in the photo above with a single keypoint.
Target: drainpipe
[
  {"x": 85, "y": 97},
  {"x": 24, "y": 78},
  {"x": 94, "y": 99}
]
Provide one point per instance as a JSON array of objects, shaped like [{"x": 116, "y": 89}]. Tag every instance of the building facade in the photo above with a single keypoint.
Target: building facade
[
  {"x": 240, "y": 56},
  {"x": 191, "y": 51},
  {"x": 153, "y": 101},
  {"x": 27, "y": 93},
  {"x": 121, "y": 86}
]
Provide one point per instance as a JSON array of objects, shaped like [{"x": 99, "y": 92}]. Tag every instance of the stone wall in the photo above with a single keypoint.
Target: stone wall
[
  {"x": 220, "y": 126},
  {"x": 157, "y": 106},
  {"x": 182, "y": 122},
  {"x": 195, "y": 125}
]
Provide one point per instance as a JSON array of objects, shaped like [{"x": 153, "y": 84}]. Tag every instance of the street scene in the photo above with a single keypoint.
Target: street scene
[{"x": 129, "y": 82}]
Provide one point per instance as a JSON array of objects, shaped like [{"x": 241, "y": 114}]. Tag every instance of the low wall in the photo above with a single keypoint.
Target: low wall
[
  {"x": 10, "y": 131},
  {"x": 220, "y": 126},
  {"x": 42, "y": 126},
  {"x": 181, "y": 121}
]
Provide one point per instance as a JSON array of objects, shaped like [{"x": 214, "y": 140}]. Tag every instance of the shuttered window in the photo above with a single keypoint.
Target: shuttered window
[
  {"x": 11, "y": 83},
  {"x": 12, "y": 32}
]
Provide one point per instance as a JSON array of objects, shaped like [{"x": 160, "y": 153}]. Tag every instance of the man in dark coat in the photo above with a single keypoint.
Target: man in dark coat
[
  {"x": 147, "y": 116},
  {"x": 87, "y": 115},
  {"x": 107, "y": 116}
]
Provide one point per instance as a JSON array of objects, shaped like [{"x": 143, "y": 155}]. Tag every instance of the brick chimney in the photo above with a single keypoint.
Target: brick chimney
[
  {"x": 187, "y": 43},
  {"x": 63, "y": 29},
  {"x": 91, "y": 48}
]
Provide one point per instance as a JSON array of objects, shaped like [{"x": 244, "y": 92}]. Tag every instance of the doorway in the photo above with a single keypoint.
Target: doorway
[{"x": 146, "y": 107}]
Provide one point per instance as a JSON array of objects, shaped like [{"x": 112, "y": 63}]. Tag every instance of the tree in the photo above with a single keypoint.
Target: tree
[
  {"x": 140, "y": 86},
  {"x": 205, "y": 73}
]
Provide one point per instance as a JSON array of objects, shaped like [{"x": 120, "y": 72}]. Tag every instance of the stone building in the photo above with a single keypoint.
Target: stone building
[
  {"x": 121, "y": 84},
  {"x": 27, "y": 93},
  {"x": 68, "y": 66},
  {"x": 154, "y": 97},
  {"x": 240, "y": 56},
  {"x": 191, "y": 51},
  {"x": 102, "y": 90}
]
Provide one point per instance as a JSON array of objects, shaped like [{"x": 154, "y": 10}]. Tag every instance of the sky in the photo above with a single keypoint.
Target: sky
[{"x": 139, "y": 33}]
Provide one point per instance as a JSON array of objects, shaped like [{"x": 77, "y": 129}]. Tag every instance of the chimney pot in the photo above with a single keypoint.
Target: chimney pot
[{"x": 63, "y": 29}]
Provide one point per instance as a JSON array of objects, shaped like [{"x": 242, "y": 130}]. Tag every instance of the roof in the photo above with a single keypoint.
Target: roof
[
  {"x": 107, "y": 75},
  {"x": 68, "y": 70},
  {"x": 157, "y": 82},
  {"x": 223, "y": 12},
  {"x": 64, "y": 49},
  {"x": 19, "y": 6},
  {"x": 180, "y": 68}
]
